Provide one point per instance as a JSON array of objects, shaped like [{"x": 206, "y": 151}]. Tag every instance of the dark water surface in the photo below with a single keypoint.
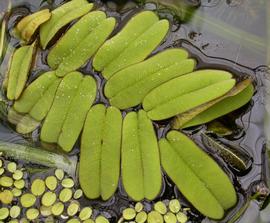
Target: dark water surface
[{"x": 242, "y": 52}]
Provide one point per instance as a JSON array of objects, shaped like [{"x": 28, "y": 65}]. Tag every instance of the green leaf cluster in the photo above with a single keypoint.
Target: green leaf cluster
[{"x": 165, "y": 84}]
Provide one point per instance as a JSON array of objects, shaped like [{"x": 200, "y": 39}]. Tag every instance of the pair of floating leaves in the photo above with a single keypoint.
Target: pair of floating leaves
[
  {"x": 128, "y": 87},
  {"x": 198, "y": 177},
  {"x": 26, "y": 28},
  {"x": 141, "y": 173},
  {"x": 141, "y": 35},
  {"x": 186, "y": 92},
  {"x": 80, "y": 42},
  {"x": 100, "y": 152},
  {"x": 34, "y": 103},
  {"x": 62, "y": 16},
  {"x": 234, "y": 99},
  {"x": 66, "y": 117},
  {"x": 21, "y": 62}
]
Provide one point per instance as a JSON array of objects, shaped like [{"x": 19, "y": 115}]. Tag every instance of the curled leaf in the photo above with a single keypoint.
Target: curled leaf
[
  {"x": 78, "y": 54},
  {"x": 74, "y": 95},
  {"x": 183, "y": 93},
  {"x": 141, "y": 174},
  {"x": 38, "y": 97},
  {"x": 129, "y": 86},
  {"x": 236, "y": 157},
  {"x": 60, "y": 17},
  {"x": 99, "y": 168},
  {"x": 19, "y": 69},
  {"x": 24, "y": 123},
  {"x": 141, "y": 35},
  {"x": 197, "y": 176},
  {"x": 26, "y": 28},
  {"x": 234, "y": 99}
]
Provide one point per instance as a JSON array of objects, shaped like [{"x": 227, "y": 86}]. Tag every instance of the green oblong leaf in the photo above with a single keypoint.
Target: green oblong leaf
[
  {"x": 197, "y": 176},
  {"x": 218, "y": 108},
  {"x": 80, "y": 105},
  {"x": 26, "y": 28},
  {"x": 19, "y": 69},
  {"x": 99, "y": 167},
  {"x": 87, "y": 47},
  {"x": 128, "y": 87},
  {"x": 61, "y": 16},
  {"x": 141, "y": 35},
  {"x": 186, "y": 92},
  {"x": 141, "y": 174},
  {"x": 74, "y": 95},
  {"x": 37, "y": 98},
  {"x": 73, "y": 37}
]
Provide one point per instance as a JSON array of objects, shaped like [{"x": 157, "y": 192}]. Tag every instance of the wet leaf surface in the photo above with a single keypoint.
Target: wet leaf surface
[
  {"x": 141, "y": 35},
  {"x": 99, "y": 169},
  {"x": 128, "y": 87},
  {"x": 197, "y": 176},
  {"x": 141, "y": 173}
]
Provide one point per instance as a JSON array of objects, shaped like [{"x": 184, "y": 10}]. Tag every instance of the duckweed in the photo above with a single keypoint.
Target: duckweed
[
  {"x": 15, "y": 211},
  {"x": 38, "y": 187},
  {"x": 67, "y": 183},
  {"x": 32, "y": 213},
  {"x": 51, "y": 182},
  {"x": 129, "y": 213},
  {"x": 154, "y": 217},
  {"x": 6, "y": 181},
  {"x": 6, "y": 196},
  {"x": 174, "y": 206},
  {"x": 4, "y": 213},
  {"x": 11, "y": 167},
  {"x": 141, "y": 217},
  {"x": 48, "y": 199},
  {"x": 57, "y": 209},
  {"x": 73, "y": 208},
  {"x": 65, "y": 195},
  {"x": 28, "y": 200},
  {"x": 160, "y": 207},
  {"x": 59, "y": 173},
  {"x": 85, "y": 213}
]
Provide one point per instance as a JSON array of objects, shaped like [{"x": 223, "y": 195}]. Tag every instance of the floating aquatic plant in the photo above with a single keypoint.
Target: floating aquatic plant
[
  {"x": 166, "y": 86},
  {"x": 141, "y": 35},
  {"x": 197, "y": 176},
  {"x": 128, "y": 87},
  {"x": 74, "y": 95},
  {"x": 141, "y": 173},
  {"x": 186, "y": 92},
  {"x": 27, "y": 27},
  {"x": 60, "y": 17},
  {"x": 19, "y": 69},
  {"x": 99, "y": 169}
]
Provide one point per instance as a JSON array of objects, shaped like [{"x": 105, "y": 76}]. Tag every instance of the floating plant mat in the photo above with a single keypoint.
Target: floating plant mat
[{"x": 120, "y": 81}]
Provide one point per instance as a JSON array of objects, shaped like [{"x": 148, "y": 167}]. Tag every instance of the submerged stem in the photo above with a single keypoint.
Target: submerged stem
[{"x": 39, "y": 156}]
